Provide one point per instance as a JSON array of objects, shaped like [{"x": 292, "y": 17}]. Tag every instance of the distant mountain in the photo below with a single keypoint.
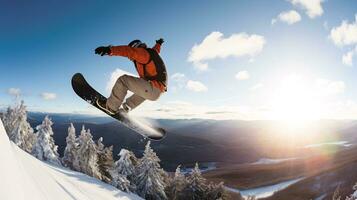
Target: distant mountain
[
  {"x": 37, "y": 117},
  {"x": 197, "y": 140},
  {"x": 339, "y": 170}
]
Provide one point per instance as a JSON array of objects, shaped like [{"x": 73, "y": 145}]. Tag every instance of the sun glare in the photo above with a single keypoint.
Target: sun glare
[{"x": 294, "y": 100}]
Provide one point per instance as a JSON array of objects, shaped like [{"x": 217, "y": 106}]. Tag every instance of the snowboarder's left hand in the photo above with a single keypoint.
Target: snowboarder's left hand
[{"x": 102, "y": 50}]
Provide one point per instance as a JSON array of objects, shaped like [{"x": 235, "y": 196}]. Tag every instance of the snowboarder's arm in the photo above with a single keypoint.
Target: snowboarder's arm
[
  {"x": 138, "y": 54},
  {"x": 157, "y": 46}
]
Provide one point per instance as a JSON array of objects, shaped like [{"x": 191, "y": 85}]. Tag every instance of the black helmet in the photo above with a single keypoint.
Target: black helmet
[{"x": 136, "y": 44}]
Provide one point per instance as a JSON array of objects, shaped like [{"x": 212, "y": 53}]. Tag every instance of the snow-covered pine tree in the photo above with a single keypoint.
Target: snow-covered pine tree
[
  {"x": 176, "y": 185},
  {"x": 216, "y": 191},
  {"x": 126, "y": 163},
  {"x": 44, "y": 147},
  {"x": 78, "y": 141},
  {"x": 149, "y": 176},
  {"x": 124, "y": 170},
  {"x": 336, "y": 194},
  {"x": 353, "y": 196},
  {"x": 196, "y": 187},
  {"x": 8, "y": 119},
  {"x": 70, "y": 151},
  {"x": 121, "y": 182},
  {"x": 105, "y": 160},
  {"x": 86, "y": 159},
  {"x": 17, "y": 127}
]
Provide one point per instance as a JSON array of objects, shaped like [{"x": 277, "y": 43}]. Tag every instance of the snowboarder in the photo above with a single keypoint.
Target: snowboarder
[{"x": 150, "y": 84}]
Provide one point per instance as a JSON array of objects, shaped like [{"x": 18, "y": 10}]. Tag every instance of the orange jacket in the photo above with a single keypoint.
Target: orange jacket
[{"x": 141, "y": 57}]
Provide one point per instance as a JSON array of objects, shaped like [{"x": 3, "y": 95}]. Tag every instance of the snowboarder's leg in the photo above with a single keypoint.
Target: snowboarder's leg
[
  {"x": 138, "y": 86},
  {"x": 133, "y": 101}
]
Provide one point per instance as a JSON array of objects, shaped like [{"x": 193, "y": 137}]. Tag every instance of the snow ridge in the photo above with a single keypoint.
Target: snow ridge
[{"x": 23, "y": 177}]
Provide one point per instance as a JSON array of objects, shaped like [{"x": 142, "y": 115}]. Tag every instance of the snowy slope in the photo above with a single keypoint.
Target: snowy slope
[{"x": 24, "y": 177}]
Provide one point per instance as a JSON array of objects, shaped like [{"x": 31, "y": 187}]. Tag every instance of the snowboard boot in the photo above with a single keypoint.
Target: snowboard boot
[{"x": 103, "y": 105}]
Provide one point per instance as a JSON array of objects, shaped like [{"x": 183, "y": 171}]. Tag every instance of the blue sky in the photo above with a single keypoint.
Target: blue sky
[{"x": 226, "y": 59}]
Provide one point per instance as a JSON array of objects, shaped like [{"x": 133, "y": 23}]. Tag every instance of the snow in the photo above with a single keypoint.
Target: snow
[
  {"x": 142, "y": 126},
  {"x": 355, "y": 194},
  {"x": 321, "y": 197},
  {"x": 266, "y": 161},
  {"x": 265, "y": 191},
  {"x": 338, "y": 143},
  {"x": 25, "y": 177},
  {"x": 204, "y": 167}
]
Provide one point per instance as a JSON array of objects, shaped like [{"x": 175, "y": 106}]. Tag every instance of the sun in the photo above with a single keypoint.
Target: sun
[{"x": 293, "y": 99}]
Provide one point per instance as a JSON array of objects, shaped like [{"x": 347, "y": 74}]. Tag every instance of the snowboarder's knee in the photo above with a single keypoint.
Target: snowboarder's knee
[
  {"x": 123, "y": 79},
  {"x": 154, "y": 97}
]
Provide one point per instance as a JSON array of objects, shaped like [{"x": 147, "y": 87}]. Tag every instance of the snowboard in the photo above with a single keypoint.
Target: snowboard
[{"x": 85, "y": 91}]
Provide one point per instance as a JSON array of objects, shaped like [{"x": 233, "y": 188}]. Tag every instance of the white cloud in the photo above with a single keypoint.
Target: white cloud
[
  {"x": 179, "y": 81},
  {"x": 344, "y": 109},
  {"x": 178, "y": 76},
  {"x": 48, "y": 96},
  {"x": 347, "y": 58},
  {"x": 345, "y": 34},
  {"x": 187, "y": 110},
  {"x": 256, "y": 87},
  {"x": 200, "y": 66},
  {"x": 326, "y": 87},
  {"x": 341, "y": 109},
  {"x": 215, "y": 46},
  {"x": 289, "y": 17},
  {"x": 313, "y": 8},
  {"x": 114, "y": 77},
  {"x": 196, "y": 86},
  {"x": 14, "y": 92},
  {"x": 242, "y": 75}
]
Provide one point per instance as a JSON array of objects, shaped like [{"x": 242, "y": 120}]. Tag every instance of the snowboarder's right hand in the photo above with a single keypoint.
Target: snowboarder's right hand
[{"x": 102, "y": 50}]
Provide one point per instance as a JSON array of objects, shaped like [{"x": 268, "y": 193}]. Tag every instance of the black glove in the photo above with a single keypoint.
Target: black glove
[
  {"x": 102, "y": 50},
  {"x": 160, "y": 41}
]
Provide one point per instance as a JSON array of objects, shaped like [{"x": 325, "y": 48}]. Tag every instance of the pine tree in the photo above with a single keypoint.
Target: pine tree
[
  {"x": 45, "y": 148},
  {"x": 216, "y": 191},
  {"x": 17, "y": 127},
  {"x": 86, "y": 159},
  {"x": 124, "y": 170},
  {"x": 105, "y": 160},
  {"x": 176, "y": 185},
  {"x": 126, "y": 163},
  {"x": 9, "y": 119},
  {"x": 121, "y": 182},
  {"x": 149, "y": 179},
  {"x": 70, "y": 151},
  {"x": 77, "y": 158},
  {"x": 336, "y": 194},
  {"x": 196, "y": 187},
  {"x": 353, "y": 196}
]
